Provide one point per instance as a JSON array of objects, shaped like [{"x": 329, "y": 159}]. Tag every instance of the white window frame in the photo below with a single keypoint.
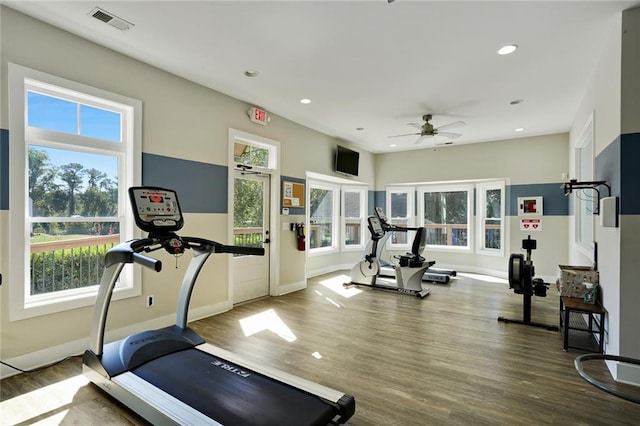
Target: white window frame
[
  {"x": 364, "y": 232},
  {"x": 470, "y": 224},
  {"x": 481, "y": 210},
  {"x": 585, "y": 149},
  {"x": 335, "y": 220},
  {"x": 410, "y": 191},
  {"x": 22, "y": 304}
]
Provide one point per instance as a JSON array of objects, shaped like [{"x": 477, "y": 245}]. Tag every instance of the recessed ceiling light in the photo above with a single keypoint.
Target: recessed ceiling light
[
  {"x": 305, "y": 101},
  {"x": 519, "y": 129},
  {"x": 393, "y": 145},
  {"x": 508, "y": 49},
  {"x": 251, "y": 73},
  {"x": 516, "y": 101}
]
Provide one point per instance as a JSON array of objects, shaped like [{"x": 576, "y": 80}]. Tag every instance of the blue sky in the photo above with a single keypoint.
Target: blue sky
[{"x": 60, "y": 115}]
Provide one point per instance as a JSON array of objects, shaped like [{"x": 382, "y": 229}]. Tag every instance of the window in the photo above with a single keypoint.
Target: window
[
  {"x": 400, "y": 213},
  {"x": 254, "y": 154},
  {"x": 446, "y": 213},
  {"x": 75, "y": 156},
  {"x": 354, "y": 228},
  {"x": 586, "y": 199},
  {"x": 323, "y": 217},
  {"x": 490, "y": 212}
]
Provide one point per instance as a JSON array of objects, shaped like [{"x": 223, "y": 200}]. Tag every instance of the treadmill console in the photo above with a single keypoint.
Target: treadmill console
[{"x": 156, "y": 210}]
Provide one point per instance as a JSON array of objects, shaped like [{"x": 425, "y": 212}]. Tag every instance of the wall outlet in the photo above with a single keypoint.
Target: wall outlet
[{"x": 151, "y": 301}]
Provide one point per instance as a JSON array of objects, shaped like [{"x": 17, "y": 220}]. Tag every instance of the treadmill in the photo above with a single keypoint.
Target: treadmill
[{"x": 171, "y": 375}]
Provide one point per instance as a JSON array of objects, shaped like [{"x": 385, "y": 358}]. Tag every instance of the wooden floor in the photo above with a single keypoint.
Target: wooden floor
[{"x": 441, "y": 360}]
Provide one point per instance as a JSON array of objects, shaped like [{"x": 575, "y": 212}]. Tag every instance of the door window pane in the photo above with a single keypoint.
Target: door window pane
[{"x": 248, "y": 214}]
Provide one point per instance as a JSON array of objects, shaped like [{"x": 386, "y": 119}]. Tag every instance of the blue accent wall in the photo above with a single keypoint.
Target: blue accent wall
[
  {"x": 4, "y": 169},
  {"x": 618, "y": 165},
  {"x": 377, "y": 199},
  {"x": 293, "y": 210},
  {"x": 201, "y": 187},
  {"x": 629, "y": 174},
  {"x": 554, "y": 203}
]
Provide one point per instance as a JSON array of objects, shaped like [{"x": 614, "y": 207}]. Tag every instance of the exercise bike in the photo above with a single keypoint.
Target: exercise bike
[
  {"x": 408, "y": 274},
  {"x": 387, "y": 268},
  {"x": 521, "y": 273}
]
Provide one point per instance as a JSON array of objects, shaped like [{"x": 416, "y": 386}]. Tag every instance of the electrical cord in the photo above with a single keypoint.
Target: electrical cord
[{"x": 44, "y": 367}]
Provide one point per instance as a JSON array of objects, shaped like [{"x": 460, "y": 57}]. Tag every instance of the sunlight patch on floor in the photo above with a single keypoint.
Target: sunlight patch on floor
[
  {"x": 485, "y": 278},
  {"x": 267, "y": 320},
  {"x": 50, "y": 399},
  {"x": 336, "y": 284}
]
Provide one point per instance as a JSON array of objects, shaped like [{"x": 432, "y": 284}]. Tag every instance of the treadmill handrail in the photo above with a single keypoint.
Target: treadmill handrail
[{"x": 129, "y": 252}]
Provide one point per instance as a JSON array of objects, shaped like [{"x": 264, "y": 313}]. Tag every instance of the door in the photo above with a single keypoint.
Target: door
[{"x": 251, "y": 228}]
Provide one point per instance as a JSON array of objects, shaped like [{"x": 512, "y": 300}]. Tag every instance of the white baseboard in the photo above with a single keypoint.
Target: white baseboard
[
  {"x": 47, "y": 356},
  {"x": 290, "y": 288},
  {"x": 328, "y": 269},
  {"x": 628, "y": 374}
]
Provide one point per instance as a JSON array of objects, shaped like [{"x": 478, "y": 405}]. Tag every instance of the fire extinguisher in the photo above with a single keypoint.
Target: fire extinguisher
[{"x": 300, "y": 236}]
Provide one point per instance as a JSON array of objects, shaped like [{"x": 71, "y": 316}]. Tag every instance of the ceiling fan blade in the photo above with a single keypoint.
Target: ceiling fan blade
[
  {"x": 450, "y": 135},
  {"x": 407, "y": 134},
  {"x": 416, "y": 125},
  {"x": 452, "y": 125}
]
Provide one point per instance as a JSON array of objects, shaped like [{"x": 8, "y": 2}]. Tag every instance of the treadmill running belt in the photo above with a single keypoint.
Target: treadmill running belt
[{"x": 233, "y": 395}]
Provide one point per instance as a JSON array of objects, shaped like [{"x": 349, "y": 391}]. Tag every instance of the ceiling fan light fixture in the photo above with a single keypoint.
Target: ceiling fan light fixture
[{"x": 507, "y": 49}]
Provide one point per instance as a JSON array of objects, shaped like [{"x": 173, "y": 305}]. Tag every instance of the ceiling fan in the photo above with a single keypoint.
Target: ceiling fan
[{"x": 427, "y": 129}]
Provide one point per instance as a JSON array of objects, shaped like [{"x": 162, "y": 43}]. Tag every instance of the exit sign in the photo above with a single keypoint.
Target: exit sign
[{"x": 258, "y": 115}]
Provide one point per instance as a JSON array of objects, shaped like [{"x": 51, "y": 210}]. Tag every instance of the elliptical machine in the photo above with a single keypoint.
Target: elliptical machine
[{"x": 521, "y": 273}]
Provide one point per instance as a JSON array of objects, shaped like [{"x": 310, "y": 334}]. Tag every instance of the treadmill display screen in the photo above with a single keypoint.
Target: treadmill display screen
[{"x": 156, "y": 209}]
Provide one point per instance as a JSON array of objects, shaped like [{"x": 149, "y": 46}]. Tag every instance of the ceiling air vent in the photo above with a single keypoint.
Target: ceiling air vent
[{"x": 111, "y": 19}]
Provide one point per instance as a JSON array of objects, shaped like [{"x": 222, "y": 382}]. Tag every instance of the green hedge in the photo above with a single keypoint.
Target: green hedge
[{"x": 67, "y": 269}]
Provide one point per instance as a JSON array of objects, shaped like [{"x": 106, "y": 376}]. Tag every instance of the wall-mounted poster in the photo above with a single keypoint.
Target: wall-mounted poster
[
  {"x": 292, "y": 194},
  {"x": 529, "y": 206}
]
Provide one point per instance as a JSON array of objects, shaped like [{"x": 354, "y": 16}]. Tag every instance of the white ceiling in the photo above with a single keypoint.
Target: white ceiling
[{"x": 370, "y": 64}]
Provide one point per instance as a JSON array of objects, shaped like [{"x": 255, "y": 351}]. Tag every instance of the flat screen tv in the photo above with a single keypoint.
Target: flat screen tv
[{"x": 347, "y": 161}]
